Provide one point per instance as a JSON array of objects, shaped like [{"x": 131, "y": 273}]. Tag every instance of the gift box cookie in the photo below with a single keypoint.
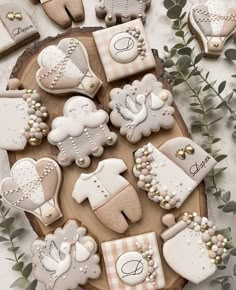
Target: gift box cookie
[
  {"x": 110, "y": 195},
  {"x": 171, "y": 173},
  {"x": 22, "y": 117},
  {"x": 65, "y": 259},
  {"x": 124, "y": 50},
  {"x": 114, "y": 11},
  {"x": 213, "y": 23},
  {"x": 192, "y": 247},
  {"x": 141, "y": 108},
  {"x": 34, "y": 187},
  {"x": 16, "y": 26},
  {"x": 65, "y": 68},
  {"x": 134, "y": 263}
]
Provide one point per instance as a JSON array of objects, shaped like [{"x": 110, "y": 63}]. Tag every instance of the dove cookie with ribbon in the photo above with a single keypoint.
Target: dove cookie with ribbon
[
  {"x": 34, "y": 187},
  {"x": 122, "y": 11},
  {"x": 170, "y": 173},
  {"x": 192, "y": 247},
  {"x": 65, "y": 68},
  {"x": 124, "y": 50},
  {"x": 22, "y": 117},
  {"x": 134, "y": 263},
  {"x": 141, "y": 108},
  {"x": 16, "y": 27},
  {"x": 80, "y": 132},
  {"x": 111, "y": 196},
  {"x": 65, "y": 259},
  {"x": 213, "y": 23}
]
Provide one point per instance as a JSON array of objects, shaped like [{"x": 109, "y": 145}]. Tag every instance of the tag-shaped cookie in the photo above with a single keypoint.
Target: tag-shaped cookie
[
  {"x": 122, "y": 10},
  {"x": 192, "y": 248},
  {"x": 80, "y": 132},
  {"x": 22, "y": 117},
  {"x": 65, "y": 259},
  {"x": 134, "y": 263},
  {"x": 141, "y": 108},
  {"x": 111, "y": 196},
  {"x": 214, "y": 24},
  {"x": 34, "y": 187},
  {"x": 124, "y": 50},
  {"x": 65, "y": 68},
  {"x": 164, "y": 172}
]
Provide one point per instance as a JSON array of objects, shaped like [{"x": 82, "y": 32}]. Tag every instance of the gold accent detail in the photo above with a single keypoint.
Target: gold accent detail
[{"x": 12, "y": 16}]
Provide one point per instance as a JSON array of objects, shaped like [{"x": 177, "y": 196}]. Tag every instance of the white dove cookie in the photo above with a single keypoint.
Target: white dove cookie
[
  {"x": 141, "y": 108},
  {"x": 134, "y": 263},
  {"x": 122, "y": 10},
  {"x": 65, "y": 259},
  {"x": 65, "y": 68},
  {"x": 22, "y": 117},
  {"x": 80, "y": 132},
  {"x": 34, "y": 187},
  {"x": 213, "y": 24},
  {"x": 192, "y": 247}
]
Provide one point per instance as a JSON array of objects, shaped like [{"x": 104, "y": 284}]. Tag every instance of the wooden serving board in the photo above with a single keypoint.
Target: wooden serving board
[{"x": 25, "y": 69}]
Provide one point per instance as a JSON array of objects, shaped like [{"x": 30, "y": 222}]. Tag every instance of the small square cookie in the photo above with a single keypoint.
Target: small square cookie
[
  {"x": 134, "y": 263},
  {"x": 124, "y": 50}
]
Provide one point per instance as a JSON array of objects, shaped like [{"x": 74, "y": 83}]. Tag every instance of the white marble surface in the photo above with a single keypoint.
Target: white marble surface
[{"x": 159, "y": 33}]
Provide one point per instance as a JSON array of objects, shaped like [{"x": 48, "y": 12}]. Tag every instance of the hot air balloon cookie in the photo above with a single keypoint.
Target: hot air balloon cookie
[{"x": 34, "y": 187}]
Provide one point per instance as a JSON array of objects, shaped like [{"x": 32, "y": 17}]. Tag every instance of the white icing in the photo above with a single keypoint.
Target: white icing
[
  {"x": 216, "y": 7},
  {"x": 6, "y": 40},
  {"x": 123, "y": 47},
  {"x": 157, "y": 103},
  {"x": 132, "y": 268},
  {"x": 82, "y": 253}
]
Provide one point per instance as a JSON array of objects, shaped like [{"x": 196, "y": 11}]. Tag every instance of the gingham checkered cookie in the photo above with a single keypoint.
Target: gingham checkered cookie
[
  {"x": 114, "y": 249},
  {"x": 115, "y": 70}
]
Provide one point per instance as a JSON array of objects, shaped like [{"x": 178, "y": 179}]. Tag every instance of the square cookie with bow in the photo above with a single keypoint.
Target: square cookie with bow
[
  {"x": 134, "y": 263},
  {"x": 124, "y": 50}
]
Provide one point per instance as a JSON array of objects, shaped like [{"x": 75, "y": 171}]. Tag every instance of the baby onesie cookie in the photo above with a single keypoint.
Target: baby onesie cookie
[
  {"x": 141, "y": 108},
  {"x": 62, "y": 12},
  {"x": 22, "y": 117},
  {"x": 34, "y": 187},
  {"x": 122, "y": 10},
  {"x": 192, "y": 248},
  {"x": 80, "y": 132},
  {"x": 124, "y": 50},
  {"x": 65, "y": 68},
  {"x": 134, "y": 263},
  {"x": 213, "y": 24},
  {"x": 65, "y": 259},
  {"x": 16, "y": 27},
  {"x": 165, "y": 176},
  {"x": 110, "y": 195}
]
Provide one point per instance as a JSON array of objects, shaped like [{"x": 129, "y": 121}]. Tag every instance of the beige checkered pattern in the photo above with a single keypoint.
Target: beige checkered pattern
[
  {"x": 114, "y": 249},
  {"x": 115, "y": 70}
]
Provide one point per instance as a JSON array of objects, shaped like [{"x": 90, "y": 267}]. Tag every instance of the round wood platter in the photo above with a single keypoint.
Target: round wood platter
[{"x": 25, "y": 70}]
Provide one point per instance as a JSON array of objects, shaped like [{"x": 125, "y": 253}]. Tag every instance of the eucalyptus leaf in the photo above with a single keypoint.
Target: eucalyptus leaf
[
  {"x": 21, "y": 256},
  {"x": 20, "y": 283},
  {"x": 198, "y": 58},
  {"x": 184, "y": 62},
  {"x": 174, "y": 12},
  {"x": 32, "y": 285},
  {"x": 178, "y": 81},
  {"x": 169, "y": 63},
  {"x": 7, "y": 223},
  {"x": 182, "y": 2},
  {"x": 3, "y": 239},
  {"x": 185, "y": 51},
  {"x": 13, "y": 249},
  {"x": 226, "y": 196},
  {"x": 168, "y": 3},
  {"x": 226, "y": 259},
  {"x": 190, "y": 39},
  {"x": 233, "y": 252},
  {"x": 220, "y": 157},
  {"x": 221, "y": 267},
  {"x": 18, "y": 266},
  {"x": 231, "y": 54},
  {"x": 226, "y": 286},
  {"x": 215, "y": 121},
  {"x": 198, "y": 111},
  {"x": 27, "y": 271},
  {"x": 17, "y": 233},
  {"x": 179, "y": 33},
  {"x": 234, "y": 270},
  {"x": 230, "y": 207},
  {"x": 225, "y": 232},
  {"x": 221, "y": 87}
]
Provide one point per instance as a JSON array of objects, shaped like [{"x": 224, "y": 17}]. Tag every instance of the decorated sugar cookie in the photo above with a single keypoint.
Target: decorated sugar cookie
[
  {"x": 65, "y": 259},
  {"x": 134, "y": 263},
  {"x": 192, "y": 247},
  {"x": 125, "y": 10},
  {"x": 171, "y": 173},
  {"x": 65, "y": 68},
  {"x": 16, "y": 26},
  {"x": 34, "y": 187},
  {"x": 213, "y": 23},
  {"x": 141, "y": 108},
  {"x": 124, "y": 50},
  {"x": 22, "y": 117},
  {"x": 62, "y": 12},
  {"x": 80, "y": 132},
  {"x": 110, "y": 195}
]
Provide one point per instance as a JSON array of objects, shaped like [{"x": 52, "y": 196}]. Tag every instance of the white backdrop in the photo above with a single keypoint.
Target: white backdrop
[{"x": 159, "y": 33}]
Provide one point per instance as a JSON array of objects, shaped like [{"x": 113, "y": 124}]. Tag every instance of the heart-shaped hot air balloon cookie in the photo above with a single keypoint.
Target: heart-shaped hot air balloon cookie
[{"x": 34, "y": 187}]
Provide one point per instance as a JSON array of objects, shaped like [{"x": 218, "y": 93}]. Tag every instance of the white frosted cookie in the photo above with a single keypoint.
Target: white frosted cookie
[
  {"x": 66, "y": 258},
  {"x": 192, "y": 248},
  {"x": 34, "y": 187}
]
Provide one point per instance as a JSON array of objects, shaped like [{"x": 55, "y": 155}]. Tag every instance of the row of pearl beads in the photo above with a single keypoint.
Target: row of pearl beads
[{"x": 136, "y": 33}]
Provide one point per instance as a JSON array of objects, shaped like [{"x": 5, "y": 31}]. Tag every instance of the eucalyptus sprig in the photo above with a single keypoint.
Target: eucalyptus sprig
[{"x": 8, "y": 235}]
